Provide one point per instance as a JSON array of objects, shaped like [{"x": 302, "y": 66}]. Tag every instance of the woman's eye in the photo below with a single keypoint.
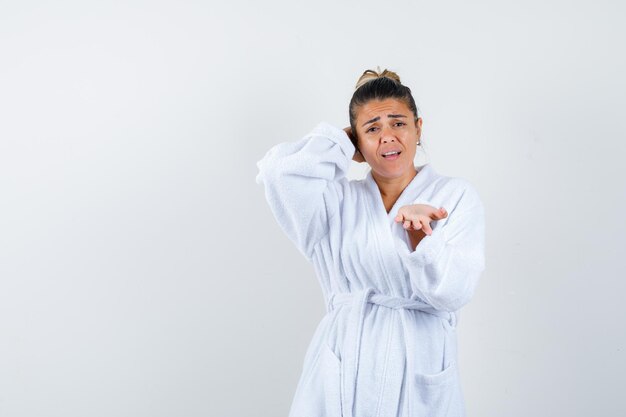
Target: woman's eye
[{"x": 373, "y": 127}]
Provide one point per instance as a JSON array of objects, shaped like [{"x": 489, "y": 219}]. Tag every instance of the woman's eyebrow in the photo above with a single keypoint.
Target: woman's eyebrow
[{"x": 378, "y": 118}]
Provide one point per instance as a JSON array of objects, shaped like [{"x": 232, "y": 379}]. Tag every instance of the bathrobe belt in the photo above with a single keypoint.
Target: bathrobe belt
[{"x": 352, "y": 341}]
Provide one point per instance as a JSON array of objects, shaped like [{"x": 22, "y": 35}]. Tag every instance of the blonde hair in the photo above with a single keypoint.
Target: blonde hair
[{"x": 369, "y": 75}]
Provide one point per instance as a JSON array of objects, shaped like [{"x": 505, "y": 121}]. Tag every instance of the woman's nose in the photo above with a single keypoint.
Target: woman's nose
[{"x": 386, "y": 136}]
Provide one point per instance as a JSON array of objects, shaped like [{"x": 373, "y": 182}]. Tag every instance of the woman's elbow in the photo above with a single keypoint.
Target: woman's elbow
[{"x": 453, "y": 295}]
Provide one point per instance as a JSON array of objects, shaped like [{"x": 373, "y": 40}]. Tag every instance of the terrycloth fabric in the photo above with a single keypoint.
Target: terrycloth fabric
[{"x": 387, "y": 345}]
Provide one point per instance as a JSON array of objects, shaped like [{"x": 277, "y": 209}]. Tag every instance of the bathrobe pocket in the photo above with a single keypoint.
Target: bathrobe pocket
[
  {"x": 435, "y": 392},
  {"x": 332, "y": 382},
  {"x": 319, "y": 393}
]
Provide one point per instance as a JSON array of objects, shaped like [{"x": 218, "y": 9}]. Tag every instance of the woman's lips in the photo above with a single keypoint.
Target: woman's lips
[{"x": 392, "y": 157}]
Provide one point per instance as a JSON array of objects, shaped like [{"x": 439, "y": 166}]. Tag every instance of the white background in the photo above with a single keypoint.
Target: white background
[{"x": 141, "y": 272}]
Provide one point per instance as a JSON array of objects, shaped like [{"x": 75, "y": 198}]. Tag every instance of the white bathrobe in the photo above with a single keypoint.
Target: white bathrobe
[{"x": 387, "y": 344}]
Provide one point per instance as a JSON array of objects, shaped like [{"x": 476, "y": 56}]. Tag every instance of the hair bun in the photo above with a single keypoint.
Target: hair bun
[{"x": 370, "y": 75}]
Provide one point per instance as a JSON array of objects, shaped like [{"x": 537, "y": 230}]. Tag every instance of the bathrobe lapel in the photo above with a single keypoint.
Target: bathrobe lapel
[{"x": 391, "y": 233}]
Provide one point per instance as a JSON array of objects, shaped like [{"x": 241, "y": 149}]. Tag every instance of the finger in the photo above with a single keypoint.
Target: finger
[
  {"x": 439, "y": 214},
  {"x": 426, "y": 226},
  {"x": 407, "y": 224},
  {"x": 417, "y": 225},
  {"x": 398, "y": 218}
]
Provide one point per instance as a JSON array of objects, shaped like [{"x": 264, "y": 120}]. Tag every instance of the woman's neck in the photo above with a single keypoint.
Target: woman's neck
[{"x": 391, "y": 188}]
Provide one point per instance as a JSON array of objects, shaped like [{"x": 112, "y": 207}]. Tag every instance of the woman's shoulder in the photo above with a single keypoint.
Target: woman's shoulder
[
  {"x": 353, "y": 186},
  {"x": 460, "y": 183},
  {"x": 459, "y": 189}
]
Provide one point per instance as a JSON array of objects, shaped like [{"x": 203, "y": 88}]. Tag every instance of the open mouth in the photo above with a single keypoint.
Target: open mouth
[{"x": 391, "y": 154}]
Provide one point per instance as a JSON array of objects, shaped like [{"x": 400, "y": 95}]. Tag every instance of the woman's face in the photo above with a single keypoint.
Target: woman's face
[{"x": 387, "y": 137}]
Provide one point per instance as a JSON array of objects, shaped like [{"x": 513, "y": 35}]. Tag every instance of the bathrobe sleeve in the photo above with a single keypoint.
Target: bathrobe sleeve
[
  {"x": 446, "y": 266},
  {"x": 304, "y": 183}
]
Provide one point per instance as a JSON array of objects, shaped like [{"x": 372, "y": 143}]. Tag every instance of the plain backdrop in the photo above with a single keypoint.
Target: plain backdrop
[{"x": 142, "y": 273}]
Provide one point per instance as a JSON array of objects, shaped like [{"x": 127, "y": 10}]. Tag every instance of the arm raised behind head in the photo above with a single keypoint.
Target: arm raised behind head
[{"x": 304, "y": 182}]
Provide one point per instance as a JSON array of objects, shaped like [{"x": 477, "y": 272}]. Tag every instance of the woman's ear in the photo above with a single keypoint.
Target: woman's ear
[{"x": 353, "y": 137}]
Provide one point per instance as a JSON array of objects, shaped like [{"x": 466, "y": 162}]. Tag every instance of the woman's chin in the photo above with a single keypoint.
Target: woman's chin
[{"x": 399, "y": 172}]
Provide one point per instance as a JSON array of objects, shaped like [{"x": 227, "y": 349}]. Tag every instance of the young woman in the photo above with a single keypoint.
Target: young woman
[{"x": 397, "y": 254}]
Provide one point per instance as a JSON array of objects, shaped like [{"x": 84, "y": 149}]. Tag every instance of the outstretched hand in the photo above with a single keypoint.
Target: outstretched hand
[
  {"x": 358, "y": 157},
  {"x": 418, "y": 217}
]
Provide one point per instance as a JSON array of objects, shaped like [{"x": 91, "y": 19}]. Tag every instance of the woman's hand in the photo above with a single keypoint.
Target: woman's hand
[
  {"x": 418, "y": 217},
  {"x": 358, "y": 157}
]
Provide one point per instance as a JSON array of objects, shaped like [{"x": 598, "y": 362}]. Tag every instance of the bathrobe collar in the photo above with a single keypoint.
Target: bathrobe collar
[{"x": 425, "y": 175}]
